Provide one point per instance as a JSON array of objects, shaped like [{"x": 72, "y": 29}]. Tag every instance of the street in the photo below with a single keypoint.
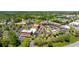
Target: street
[
  {"x": 76, "y": 44},
  {"x": 31, "y": 43}
]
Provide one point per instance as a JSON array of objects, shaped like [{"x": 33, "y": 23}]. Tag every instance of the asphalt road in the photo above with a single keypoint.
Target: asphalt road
[
  {"x": 31, "y": 43},
  {"x": 76, "y": 44}
]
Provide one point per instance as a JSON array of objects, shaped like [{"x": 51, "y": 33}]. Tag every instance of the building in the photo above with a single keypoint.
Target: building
[
  {"x": 77, "y": 21},
  {"x": 35, "y": 27},
  {"x": 75, "y": 25},
  {"x": 69, "y": 15},
  {"x": 25, "y": 33},
  {"x": 50, "y": 23},
  {"x": 64, "y": 28},
  {"x": 54, "y": 27}
]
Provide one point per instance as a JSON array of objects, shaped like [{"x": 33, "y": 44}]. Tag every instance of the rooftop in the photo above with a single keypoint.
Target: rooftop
[
  {"x": 65, "y": 26},
  {"x": 29, "y": 31}
]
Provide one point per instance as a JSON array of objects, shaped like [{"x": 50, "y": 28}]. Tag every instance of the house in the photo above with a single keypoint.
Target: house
[
  {"x": 69, "y": 15},
  {"x": 55, "y": 31},
  {"x": 75, "y": 24},
  {"x": 64, "y": 28},
  {"x": 78, "y": 15},
  {"x": 25, "y": 33},
  {"x": 50, "y": 23},
  {"x": 77, "y": 21}
]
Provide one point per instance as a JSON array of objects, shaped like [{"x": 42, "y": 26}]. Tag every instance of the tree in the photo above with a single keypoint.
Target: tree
[
  {"x": 4, "y": 39},
  {"x": 50, "y": 44},
  {"x": 0, "y": 42},
  {"x": 18, "y": 19},
  {"x": 13, "y": 39},
  {"x": 1, "y": 32},
  {"x": 40, "y": 41},
  {"x": 67, "y": 37},
  {"x": 4, "y": 42},
  {"x": 25, "y": 42}
]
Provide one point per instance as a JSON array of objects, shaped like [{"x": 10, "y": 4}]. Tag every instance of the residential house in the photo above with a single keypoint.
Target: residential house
[
  {"x": 50, "y": 23},
  {"x": 69, "y": 15},
  {"x": 64, "y": 28},
  {"x": 75, "y": 24}
]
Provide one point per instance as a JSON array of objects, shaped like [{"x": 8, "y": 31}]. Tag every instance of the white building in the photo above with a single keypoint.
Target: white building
[
  {"x": 75, "y": 25},
  {"x": 27, "y": 33},
  {"x": 64, "y": 28},
  {"x": 33, "y": 30},
  {"x": 72, "y": 15}
]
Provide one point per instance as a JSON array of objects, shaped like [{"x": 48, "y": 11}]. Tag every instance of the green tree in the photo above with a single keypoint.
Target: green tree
[
  {"x": 13, "y": 39},
  {"x": 68, "y": 37},
  {"x": 5, "y": 42},
  {"x": 38, "y": 41},
  {"x": 25, "y": 42},
  {"x": 0, "y": 42},
  {"x": 50, "y": 44},
  {"x": 18, "y": 19}
]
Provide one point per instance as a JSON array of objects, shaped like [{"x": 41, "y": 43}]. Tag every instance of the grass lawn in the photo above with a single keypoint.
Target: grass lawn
[{"x": 60, "y": 44}]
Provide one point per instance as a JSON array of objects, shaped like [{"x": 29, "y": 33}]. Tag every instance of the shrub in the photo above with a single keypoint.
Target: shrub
[{"x": 50, "y": 44}]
